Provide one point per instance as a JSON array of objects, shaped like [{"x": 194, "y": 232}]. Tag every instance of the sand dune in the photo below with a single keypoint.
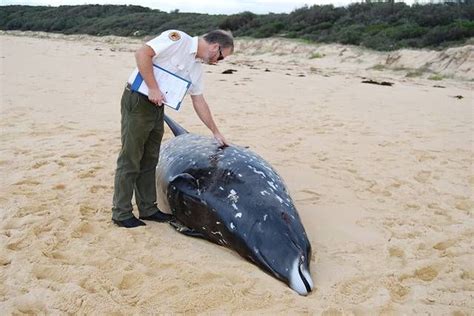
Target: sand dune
[{"x": 382, "y": 178}]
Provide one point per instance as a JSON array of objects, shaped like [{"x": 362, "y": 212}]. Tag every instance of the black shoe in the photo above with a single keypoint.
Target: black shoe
[
  {"x": 129, "y": 223},
  {"x": 158, "y": 217}
]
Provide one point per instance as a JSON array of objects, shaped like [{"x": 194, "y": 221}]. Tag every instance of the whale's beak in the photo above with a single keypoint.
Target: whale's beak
[{"x": 300, "y": 279}]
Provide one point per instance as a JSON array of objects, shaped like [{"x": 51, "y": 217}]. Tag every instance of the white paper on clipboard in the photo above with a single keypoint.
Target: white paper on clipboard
[{"x": 171, "y": 85}]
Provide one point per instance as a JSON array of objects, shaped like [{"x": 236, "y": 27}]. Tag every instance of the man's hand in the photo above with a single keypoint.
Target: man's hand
[
  {"x": 221, "y": 140},
  {"x": 155, "y": 96}
]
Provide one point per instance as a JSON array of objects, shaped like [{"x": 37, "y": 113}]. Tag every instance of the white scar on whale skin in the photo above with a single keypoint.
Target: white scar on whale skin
[
  {"x": 271, "y": 184},
  {"x": 279, "y": 198},
  {"x": 257, "y": 171},
  {"x": 296, "y": 282},
  {"x": 217, "y": 233},
  {"x": 238, "y": 215},
  {"x": 233, "y": 196}
]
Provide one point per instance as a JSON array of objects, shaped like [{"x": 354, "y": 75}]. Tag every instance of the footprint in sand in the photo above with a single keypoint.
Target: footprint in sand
[
  {"x": 86, "y": 210},
  {"x": 60, "y": 163},
  {"x": 426, "y": 274},
  {"x": 396, "y": 252},
  {"x": 4, "y": 260},
  {"x": 308, "y": 196},
  {"x": 70, "y": 156},
  {"x": 83, "y": 228},
  {"x": 422, "y": 156},
  {"x": 464, "y": 205},
  {"x": 18, "y": 243},
  {"x": 131, "y": 280},
  {"x": 423, "y": 176},
  {"x": 87, "y": 174},
  {"x": 53, "y": 273},
  {"x": 398, "y": 292},
  {"x": 28, "y": 182},
  {"x": 467, "y": 275},
  {"x": 87, "y": 134},
  {"x": 332, "y": 311},
  {"x": 293, "y": 144},
  {"x": 97, "y": 188},
  {"x": 21, "y": 152},
  {"x": 55, "y": 254},
  {"x": 39, "y": 164},
  {"x": 443, "y": 245},
  {"x": 357, "y": 290},
  {"x": 412, "y": 206}
]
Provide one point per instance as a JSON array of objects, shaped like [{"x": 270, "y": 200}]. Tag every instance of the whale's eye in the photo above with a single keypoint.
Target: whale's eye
[{"x": 285, "y": 217}]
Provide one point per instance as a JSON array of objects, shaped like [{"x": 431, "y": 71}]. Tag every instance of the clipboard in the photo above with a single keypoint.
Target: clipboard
[{"x": 171, "y": 85}]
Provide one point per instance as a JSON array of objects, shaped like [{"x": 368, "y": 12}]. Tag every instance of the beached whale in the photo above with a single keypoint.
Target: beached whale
[{"x": 232, "y": 197}]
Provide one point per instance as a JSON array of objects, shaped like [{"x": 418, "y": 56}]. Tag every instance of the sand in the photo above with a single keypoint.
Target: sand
[{"x": 381, "y": 176}]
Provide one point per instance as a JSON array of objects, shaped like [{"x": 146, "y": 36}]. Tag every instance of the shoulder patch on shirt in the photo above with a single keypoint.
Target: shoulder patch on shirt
[{"x": 174, "y": 36}]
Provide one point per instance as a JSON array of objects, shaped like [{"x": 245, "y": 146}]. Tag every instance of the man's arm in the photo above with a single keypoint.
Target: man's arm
[
  {"x": 144, "y": 57},
  {"x": 204, "y": 113}
]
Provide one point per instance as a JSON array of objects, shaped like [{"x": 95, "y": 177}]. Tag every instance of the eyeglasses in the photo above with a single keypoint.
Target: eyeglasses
[{"x": 220, "y": 54}]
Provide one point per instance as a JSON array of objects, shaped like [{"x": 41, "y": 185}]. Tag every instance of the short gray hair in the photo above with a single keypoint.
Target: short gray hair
[{"x": 221, "y": 37}]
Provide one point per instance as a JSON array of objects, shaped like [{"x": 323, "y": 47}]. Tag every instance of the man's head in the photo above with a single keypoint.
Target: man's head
[{"x": 215, "y": 46}]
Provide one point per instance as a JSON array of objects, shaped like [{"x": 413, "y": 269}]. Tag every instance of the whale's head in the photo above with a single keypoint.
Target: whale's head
[{"x": 281, "y": 247}]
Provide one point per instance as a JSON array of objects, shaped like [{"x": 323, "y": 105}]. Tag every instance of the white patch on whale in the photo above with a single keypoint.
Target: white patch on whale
[
  {"x": 238, "y": 215},
  {"x": 272, "y": 185},
  {"x": 217, "y": 233},
  {"x": 279, "y": 198},
  {"x": 296, "y": 282},
  {"x": 233, "y": 196},
  {"x": 257, "y": 171}
]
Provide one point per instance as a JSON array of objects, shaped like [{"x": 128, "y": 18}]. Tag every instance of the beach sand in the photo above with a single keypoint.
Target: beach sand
[{"x": 382, "y": 178}]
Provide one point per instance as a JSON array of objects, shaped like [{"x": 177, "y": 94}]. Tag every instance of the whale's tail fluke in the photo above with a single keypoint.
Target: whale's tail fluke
[{"x": 175, "y": 127}]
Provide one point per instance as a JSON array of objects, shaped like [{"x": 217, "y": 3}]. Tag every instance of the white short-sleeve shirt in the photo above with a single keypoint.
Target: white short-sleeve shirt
[{"x": 176, "y": 51}]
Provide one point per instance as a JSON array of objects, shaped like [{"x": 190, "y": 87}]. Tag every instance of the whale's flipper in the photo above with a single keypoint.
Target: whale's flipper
[
  {"x": 175, "y": 127},
  {"x": 185, "y": 230}
]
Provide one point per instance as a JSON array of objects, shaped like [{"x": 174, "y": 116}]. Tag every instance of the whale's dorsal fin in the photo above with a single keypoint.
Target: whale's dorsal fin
[{"x": 175, "y": 127}]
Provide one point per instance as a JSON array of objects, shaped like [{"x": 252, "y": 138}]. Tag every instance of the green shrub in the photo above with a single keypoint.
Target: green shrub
[{"x": 380, "y": 25}]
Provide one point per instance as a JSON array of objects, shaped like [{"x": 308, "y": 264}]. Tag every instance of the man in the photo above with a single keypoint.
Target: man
[{"x": 142, "y": 117}]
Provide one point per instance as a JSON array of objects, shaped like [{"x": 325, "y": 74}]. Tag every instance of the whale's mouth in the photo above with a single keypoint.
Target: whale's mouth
[
  {"x": 305, "y": 277},
  {"x": 300, "y": 279}
]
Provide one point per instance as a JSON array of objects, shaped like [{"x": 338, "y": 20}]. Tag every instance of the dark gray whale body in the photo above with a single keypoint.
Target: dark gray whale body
[{"x": 232, "y": 197}]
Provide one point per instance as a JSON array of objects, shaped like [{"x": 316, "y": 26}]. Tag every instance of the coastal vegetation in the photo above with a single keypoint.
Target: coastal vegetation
[{"x": 376, "y": 25}]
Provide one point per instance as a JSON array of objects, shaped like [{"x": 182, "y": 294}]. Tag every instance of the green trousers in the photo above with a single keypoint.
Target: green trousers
[{"x": 142, "y": 131}]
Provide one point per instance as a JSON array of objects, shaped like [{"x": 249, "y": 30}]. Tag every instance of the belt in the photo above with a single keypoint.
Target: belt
[{"x": 128, "y": 87}]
